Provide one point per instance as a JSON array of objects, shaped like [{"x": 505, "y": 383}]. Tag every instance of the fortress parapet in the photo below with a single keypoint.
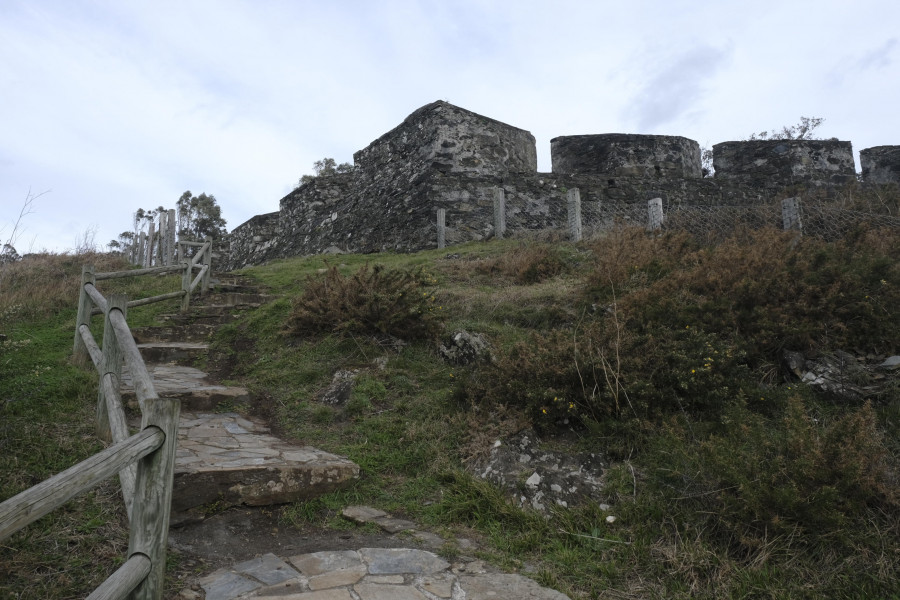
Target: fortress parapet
[
  {"x": 779, "y": 163},
  {"x": 626, "y": 155},
  {"x": 880, "y": 164}
]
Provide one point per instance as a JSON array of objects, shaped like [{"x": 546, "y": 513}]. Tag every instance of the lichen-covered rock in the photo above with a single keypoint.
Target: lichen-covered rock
[
  {"x": 538, "y": 478},
  {"x": 464, "y": 348}
]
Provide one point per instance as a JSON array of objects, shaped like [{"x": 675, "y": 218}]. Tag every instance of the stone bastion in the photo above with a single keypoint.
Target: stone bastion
[{"x": 446, "y": 157}]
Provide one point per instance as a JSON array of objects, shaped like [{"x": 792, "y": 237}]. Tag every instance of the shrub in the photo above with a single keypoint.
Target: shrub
[
  {"x": 769, "y": 476},
  {"x": 768, "y": 290},
  {"x": 374, "y": 300},
  {"x": 527, "y": 263}
]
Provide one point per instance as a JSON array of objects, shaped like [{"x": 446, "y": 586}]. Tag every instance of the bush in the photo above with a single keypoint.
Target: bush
[
  {"x": 768, "y": 290},
  {"x": 374, "y": 300},
  {"x": 770, "y": 476}
]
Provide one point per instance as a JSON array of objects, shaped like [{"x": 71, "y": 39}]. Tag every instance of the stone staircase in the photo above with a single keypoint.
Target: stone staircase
[{"x": 225, "y": 459}]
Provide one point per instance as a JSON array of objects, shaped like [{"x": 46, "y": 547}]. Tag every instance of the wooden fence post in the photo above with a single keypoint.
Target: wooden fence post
[
  {"x": 170, "y": 238},
  {"x": 186, "y": 283},
  {"x": 110, "y": 364},
  {"x": 441, "y": 228},
  {"x": 162, "y": 253},
  {"x": 573, "y": 202},
  {"x": 655, "y": 215},
  {"x": 151, "y": 235},
  {"x": 141, "y": 250},
  {"x": 499, "y": 212},
  {"x": 84, "y": 310},
  {"x": 207, "y": 262},
  {"x": 153, "y": 497}
]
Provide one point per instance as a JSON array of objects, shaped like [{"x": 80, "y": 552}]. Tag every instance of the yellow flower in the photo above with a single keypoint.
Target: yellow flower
[
  {"x": 693, "y": 370},
  {"x": 544, "y": 410}
]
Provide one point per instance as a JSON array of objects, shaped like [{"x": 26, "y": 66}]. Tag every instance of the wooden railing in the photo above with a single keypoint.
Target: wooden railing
[{"x": 144, "y": 461}]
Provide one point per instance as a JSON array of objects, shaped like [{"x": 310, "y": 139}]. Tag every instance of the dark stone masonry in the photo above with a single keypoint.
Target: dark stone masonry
[{"x": 445, "y": 157}]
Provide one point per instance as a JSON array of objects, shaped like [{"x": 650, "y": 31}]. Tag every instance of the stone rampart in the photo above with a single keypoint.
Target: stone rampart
[
  {"x": 781, "y": 163},
  {"x": 881, "y": 164},
  {"x": 625, "y": 155},
  {"x": 445, "y": 157},
  {"x": 449, "y": 139}
]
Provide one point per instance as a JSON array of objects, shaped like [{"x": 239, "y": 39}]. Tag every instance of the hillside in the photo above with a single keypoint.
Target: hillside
[{"x": 677, "y": 361}]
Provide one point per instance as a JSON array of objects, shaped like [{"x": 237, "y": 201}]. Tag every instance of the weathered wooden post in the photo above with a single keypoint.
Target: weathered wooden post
[
  {"x": 441, "y": 228},
  {"x": 151, "y": 235},
  {"x": 655, "y": 215},
  {"x": 573, "y": 202},
  {"x": 84, "y": 310},
  {"x": 110, "y": 364},
  {"x": 163, "y": 251},
  {"x": 186, "y": 282},
  {"x": 153, "y": 497},
  {"x": 141, "y": 251},
  {"x": 499, "y": 212},
  {"x": 170, "y": 238},
  {"x": 207, "y": 262},
  {"x": 790, "y": 214}
]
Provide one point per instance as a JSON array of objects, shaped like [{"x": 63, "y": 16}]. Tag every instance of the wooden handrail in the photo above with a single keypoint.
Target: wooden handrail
[
  {"x": 145, "y": 461},
  {"x": 124, "y": 580},
  {"x": 96, "y": 297},
  {"x": 137, "y": 272},
  {"x": 91, "y": 345},
  {"x": 35, "y": 502},
  {"x": 199, "y": 277}
]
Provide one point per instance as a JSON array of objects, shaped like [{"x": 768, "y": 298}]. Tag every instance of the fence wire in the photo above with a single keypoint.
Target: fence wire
[{"x": 821, "y": 219}]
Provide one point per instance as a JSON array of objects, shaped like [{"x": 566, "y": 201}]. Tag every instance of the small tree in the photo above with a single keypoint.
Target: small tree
[
  {"x": 198, "y": 217},
  {"x": 801, "y": 131},
  {"x": 325, "y": 168}
]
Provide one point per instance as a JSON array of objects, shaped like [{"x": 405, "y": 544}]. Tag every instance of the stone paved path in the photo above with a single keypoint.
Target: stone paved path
[
  {"x": 365, "y": 574},
  {"x": 231, "y": 460}
]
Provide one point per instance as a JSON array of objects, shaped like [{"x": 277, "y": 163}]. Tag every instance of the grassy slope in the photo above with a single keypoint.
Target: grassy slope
[
  {"x": 47, "y": 408},
  {"x": 719, "y": 497}
]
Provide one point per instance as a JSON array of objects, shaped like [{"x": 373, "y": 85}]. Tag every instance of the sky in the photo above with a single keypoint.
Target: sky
[{"x": 108, "y": 106}]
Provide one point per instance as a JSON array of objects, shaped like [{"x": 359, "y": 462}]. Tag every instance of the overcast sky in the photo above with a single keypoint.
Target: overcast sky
[{"x": 114, "y": 105}]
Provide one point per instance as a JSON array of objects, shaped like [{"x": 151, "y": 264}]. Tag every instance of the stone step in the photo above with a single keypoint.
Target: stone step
[
  {"x": 250, "y": 298},
  {"x": 189, "y": 332},
  {"x": 231, "y": 460},
  {"x": 205, "y": 315},
  {"x": 173, "y": 352},
  {"x": 188, "y": 384}
]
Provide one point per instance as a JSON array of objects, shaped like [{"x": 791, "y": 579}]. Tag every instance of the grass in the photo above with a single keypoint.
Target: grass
[
  {"x": 725, "y": 479},
  {"x": 47, "y": 406}
]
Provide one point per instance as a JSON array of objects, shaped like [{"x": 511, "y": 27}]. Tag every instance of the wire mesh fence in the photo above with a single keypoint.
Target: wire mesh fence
[{"x": 820, "y": 218}]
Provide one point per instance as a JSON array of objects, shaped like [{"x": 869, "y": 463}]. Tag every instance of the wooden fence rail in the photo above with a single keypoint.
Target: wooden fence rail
[{"x": 144, "y": 461}]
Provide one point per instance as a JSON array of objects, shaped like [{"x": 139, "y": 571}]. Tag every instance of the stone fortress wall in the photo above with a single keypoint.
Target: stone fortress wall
[{"x": 445, "y": 157}]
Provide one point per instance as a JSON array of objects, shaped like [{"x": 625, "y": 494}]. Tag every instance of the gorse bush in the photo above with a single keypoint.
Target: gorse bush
[
  {"x": 768, "y": 290},
  {"x": 768, "y": 477},
  {"x": 374, "y": 300},
  {"x": 526, "y": 264}
]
